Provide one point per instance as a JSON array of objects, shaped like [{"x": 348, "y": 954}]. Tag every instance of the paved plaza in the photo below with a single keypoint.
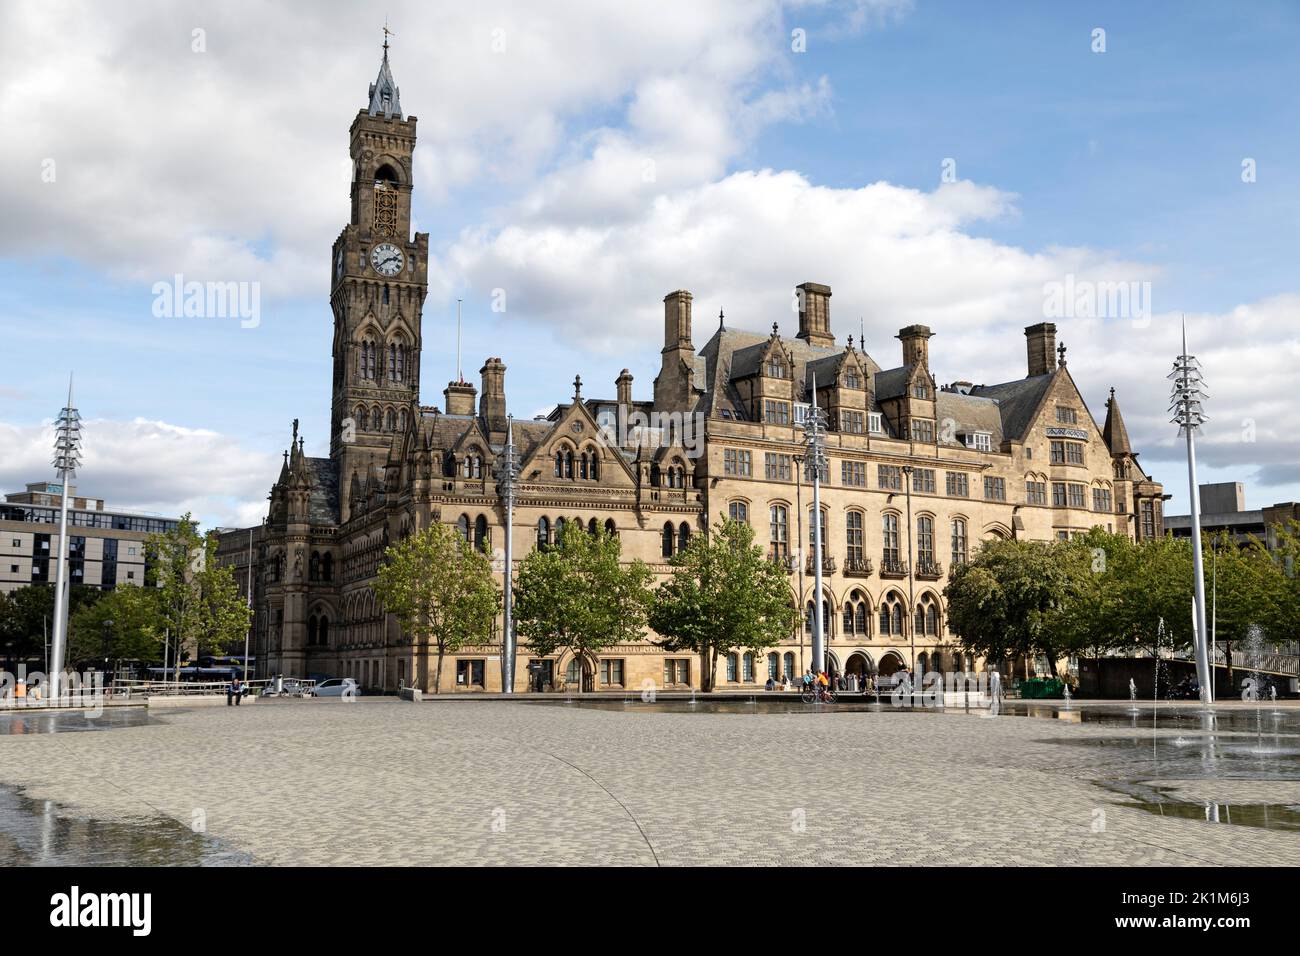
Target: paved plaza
[{"x": 377, "y": 781}]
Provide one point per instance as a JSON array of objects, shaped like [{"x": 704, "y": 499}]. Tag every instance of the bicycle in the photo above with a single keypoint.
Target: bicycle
[{"x": 821, "y": 695}]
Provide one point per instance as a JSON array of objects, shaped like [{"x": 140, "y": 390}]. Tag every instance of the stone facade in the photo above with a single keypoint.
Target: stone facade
[{"x": 919, "y": 473}]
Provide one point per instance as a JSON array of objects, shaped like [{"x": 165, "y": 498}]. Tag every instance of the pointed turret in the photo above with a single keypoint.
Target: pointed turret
[
  {"x": 384, "y": 98},
  {"x": 1114, "y": 433}
]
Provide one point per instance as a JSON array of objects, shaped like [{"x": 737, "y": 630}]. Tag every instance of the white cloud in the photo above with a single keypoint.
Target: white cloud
[{"x": 151, "y": 467}]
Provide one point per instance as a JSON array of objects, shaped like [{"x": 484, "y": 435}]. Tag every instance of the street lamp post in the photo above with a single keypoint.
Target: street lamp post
[
  {"x": 798, "y": 518},
  {"x": 67, "y": 455},
  {"x": 506, "y": 476},
  {"x": 911, "y": 572},
  {"x": 815, "y": 432},
  {"x": 1189, "y": 416}
]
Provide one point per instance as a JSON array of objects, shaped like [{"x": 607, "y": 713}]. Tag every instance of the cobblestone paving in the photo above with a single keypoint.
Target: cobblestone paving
[{"x": 495, "y": 782}]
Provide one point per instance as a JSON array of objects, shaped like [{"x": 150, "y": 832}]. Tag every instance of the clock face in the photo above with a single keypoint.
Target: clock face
[{"x": 386, "y": 259}]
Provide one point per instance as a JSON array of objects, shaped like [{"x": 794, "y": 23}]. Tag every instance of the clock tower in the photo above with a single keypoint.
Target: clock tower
[{"x": 378, "y": 280}]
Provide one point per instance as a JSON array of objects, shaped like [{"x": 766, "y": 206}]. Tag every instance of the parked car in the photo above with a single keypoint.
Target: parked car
[{"x": 337, "y": 687}]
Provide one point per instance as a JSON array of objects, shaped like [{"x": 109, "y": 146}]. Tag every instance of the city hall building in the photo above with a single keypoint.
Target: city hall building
[{"x": 919, "y": 473}]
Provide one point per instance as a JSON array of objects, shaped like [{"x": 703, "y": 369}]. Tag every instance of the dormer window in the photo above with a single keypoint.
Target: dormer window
[
  {"x": 775, "y": 368},
  {"x": 921, "y": 389},
  {"x": 875, "y": 423},
  {"x": 980, "y": 441},
  {"x": 851, "y": 379}
]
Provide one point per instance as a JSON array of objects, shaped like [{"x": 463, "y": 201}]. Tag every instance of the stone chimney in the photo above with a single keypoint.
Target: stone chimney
[
  {"x": 675, "y": 383},
  {"x": 492, "y": 404},
  {"x": 916, "y": 345},
  {"x": 1041, "y": 340},
  {"x": 815, "y": 314},
  {"x": 460, "y": 398},
  {"x": 624, "y": 385},
  {"x": 677, "y": 320}
]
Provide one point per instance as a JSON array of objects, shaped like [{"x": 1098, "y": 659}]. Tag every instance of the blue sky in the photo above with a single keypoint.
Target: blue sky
[{"x": 224, "y": 163}]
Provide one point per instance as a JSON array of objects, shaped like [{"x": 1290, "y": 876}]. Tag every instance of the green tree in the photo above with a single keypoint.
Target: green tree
[
  {"x": 578, "y": 595},
  {"x": 724, "y": 595},
  {"x": 1006, "y": 600},
  {"x": 122, "y": 625},
  {"x": 198, "y": 600},
  {"x": 27, "y": 618},
  {"x": 440, "y": 588}
]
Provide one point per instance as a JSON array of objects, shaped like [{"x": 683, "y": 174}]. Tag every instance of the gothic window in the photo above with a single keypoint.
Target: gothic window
[
  {"x": 889, "y": 528},
  {"x": 738, "y": 511},
  {"x": 958, "y": 541},
  {"x": 313, "y": 567},
  {"x": 362, "y": 418},
  {"x": 543, "y": 532},
  {"x": 401, "y": 420},
  {"x": 654, "y": 476},
  {"x": 610, "y": 528},
  {"x": 568, "y": 464},
  {"x": 853, "y": 533},
  {"x": 668, "y": 537},
  {"x": 683, "y": 536},
  {"x": 323, "y": 631},
  {"x": 559, "y": 464},
  {"x": 927, "y": 616},
  {"x": 925, "y": 541},
  {"x": 385, "y": 299},
  {"x": 327, "y": 568},
  {"x": 855, "y": 614},
  {"x": 595, "y": 467},
  {"x": 377, "y": 418},
  {"x": 392, "y": 359},
  {"x": 462, "y": 526},
  {"x": 779, "y": 537},
  {"x": 480, "y": 533},
  {"x": 390, "y": 421},
  {"x": 891, "y": 615},
  {"x": 582, "y": 466},
  {"x": 311, "y": 630},
  {"x": 559, "y": 530},
  {"x": 812, "y": 532}
]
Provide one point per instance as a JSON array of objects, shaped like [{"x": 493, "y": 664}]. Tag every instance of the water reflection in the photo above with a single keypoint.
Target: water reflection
[
  {"x": 34, "y": 833},
  {"x": 1161, "y": 802},
  {"x": 69, "y": 721}
]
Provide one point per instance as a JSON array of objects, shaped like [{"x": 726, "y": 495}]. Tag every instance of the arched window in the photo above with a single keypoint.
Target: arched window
[
  {"x": 855, "y": 614},
  {"x": 927, "y": 616},
  {"x": 592, "y": 527},
  {"x": 958, "y": 541},
  {"x": 313, "y": 567},
  {"x": 595, "y": 467},
  {"x": 559, "y": 464},
  {"x": 733, "y": 662},
  {"x": 854, "y": 539},
  {"x": 327, "y": 568},
  {"x": 385, "y": 295},
  {"x": 810, "y": 619},
  {"x": 582, "y": 466},
  {"x": 738, "y": 511},
  {"x": 891, "y": 615},
  {"x": 377, "y": 418},
  {"x": 543, "y": 532},
  {"x": 788, "y": 662},
  {"x": 774, "y": 666},
  {"x": 480, "y": 533},
  {"x": 568, "y": 464},
  {"x": 779, "y": 534},
  {"x": 654, "y": 476},
  {"x": 610, "y": 528},
  {"x": 323, "y": 631},
  {"x": 362, "y": 418},
  {"x": 462, "y": 526},
  {"x": 683, "y": 536},
  {"x": 668, "y": 538},
  {"x": 925, "y": 541},
  {"x": 401, "y": 420},
  {"x": 390, "y": 421},
  {"x": 311, "y": 630},
  {"x": 559, "y": 530},
  {"x": 889, "y": 528},
  {"x": 747, "y": 667},
  {"x": 813, "y": 531}
]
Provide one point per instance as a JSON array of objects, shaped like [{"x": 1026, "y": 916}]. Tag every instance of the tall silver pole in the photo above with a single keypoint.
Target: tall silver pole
[
  {"x": 67, "y": 451},
  {"x": 1188, "y": 416},
  {"x": 508, "y": 492},
  {"x": 911, "y": 573},
  {"x": 815, "y": 459},
  {"x": 249, "y": 633}
]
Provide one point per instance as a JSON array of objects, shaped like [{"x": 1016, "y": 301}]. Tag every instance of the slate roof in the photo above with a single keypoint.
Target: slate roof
[
  {"x": 323, "y": 504},
  {"x": 1017, "y": 401}
]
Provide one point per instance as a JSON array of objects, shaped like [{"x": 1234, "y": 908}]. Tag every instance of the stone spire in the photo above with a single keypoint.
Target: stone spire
[
  {"x": 1114, "y": 434},
  {"x": 384, "y": 95}
]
